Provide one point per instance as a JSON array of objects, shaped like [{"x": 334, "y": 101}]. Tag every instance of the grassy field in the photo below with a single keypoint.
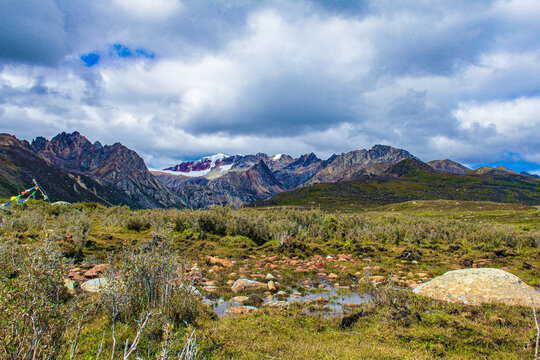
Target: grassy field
[
  {"x": 404, "y": 244},
  {"x": 413, "y": 183}
]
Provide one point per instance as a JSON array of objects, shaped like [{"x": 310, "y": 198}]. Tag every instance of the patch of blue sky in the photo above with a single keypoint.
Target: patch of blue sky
[
  {"x": 90, "y": 59},
  {"x": 125, "y": 52},
  {"x": 515, "y": 165}
]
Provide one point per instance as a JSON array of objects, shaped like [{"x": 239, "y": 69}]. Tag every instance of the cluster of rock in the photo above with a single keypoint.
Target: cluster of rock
[{"x": 87, "y": 277}]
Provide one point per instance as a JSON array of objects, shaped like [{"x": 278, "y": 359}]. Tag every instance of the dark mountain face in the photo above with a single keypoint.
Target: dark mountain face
[
  {"x": 115, "y": 167},
  {"x": 20, "y": 165},
  {"x": 236, "y": 188}
]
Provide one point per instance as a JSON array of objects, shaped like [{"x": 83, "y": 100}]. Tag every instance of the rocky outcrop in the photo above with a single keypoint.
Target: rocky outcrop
[
  {"x": 478, "y": 286},
  {"x": 235, "y": 188},
  {"x": 347, "y": 166},
  {"x": 449, "y": 166},
  {"x": 20, "y": 164},
  {"x": 114, "y": 166}
]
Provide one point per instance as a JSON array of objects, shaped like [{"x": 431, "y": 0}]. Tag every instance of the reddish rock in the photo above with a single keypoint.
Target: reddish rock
[
  {"x": 218, "y": 261},
  {"x": 91, "y": 274}
]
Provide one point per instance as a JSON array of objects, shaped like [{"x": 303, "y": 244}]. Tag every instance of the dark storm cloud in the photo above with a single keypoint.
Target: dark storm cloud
[{"x": 32, "y": 32}]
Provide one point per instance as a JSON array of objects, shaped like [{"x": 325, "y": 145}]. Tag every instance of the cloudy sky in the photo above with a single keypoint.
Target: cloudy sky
[{"x": 178, "y": 79}]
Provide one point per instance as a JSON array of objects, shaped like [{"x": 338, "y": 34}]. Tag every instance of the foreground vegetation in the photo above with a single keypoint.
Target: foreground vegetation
[{"x": 149, "y": 309}]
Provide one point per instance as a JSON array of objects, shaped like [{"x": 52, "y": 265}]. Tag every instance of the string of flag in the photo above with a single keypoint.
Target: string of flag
[{"x": 25, "y": 195}]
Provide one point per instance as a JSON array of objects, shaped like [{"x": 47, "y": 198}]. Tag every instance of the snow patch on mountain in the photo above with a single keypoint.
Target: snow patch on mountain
[{"x": 276, "y": 157}]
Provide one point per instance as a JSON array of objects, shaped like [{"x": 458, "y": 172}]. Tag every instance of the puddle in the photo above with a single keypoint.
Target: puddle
[{"x": 333, "y": 308}]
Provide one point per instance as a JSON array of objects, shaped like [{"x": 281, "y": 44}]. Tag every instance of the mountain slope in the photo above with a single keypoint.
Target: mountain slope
[
  {"x": 447, "y": 165},
  {"x": 19, "y": 165},
  {"x": 113, "y": 166},
  {"x": 236, "y": 188},
  {"x": 348, "y": 165},
  {"x": 412, "y": 180}
]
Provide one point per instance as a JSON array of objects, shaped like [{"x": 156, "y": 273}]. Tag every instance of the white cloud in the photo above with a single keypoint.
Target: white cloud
[
  {"x": 514, "y": 119},
  {"x": 150, "y": 9},
  {"x": 439, "y": 79}
]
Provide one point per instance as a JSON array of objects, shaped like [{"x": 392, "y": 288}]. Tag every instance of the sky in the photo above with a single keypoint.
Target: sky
[{"x": 176, "y": 80}]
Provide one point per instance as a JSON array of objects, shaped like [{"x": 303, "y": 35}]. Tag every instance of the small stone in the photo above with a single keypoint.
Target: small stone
[
  {"x": 94, "y": 285},
  {"x": 377, "y": 279},
  {"x": 321, "y": 299},
  {"x": 239, "y": 299},
  {"x": 218, "y": 261},
  {"x": 332, "y": 276},
  {"x": 272, "y": 286},
  {"x": 269, "y": 277},
  {"x": 240, "y": 310},
  {"x": 277, "y": 304},
  {"x": 247, "y": 284}
]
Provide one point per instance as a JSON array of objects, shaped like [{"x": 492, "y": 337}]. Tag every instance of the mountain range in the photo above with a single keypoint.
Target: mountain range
[{"x": 71, "y": 168}]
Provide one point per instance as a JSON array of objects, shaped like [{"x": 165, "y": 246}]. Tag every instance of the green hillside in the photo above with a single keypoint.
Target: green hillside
[{"x": 408, "y": 181}]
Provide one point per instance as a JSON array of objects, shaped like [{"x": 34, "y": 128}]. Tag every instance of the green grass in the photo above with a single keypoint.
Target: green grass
[{"x": 440, "y": 233}]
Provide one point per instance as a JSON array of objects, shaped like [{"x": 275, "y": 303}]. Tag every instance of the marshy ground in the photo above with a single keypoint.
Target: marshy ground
[{"x": 340, "y": 282}]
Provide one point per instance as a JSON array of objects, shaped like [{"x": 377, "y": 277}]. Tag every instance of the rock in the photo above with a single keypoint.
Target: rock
[
  {"x": 90, "y": 274},
  {"x": 94, "y": 285},
  {"x": 210, "y": 289},
  {"x": 378, "y": 279},
  {"x": 332, "y": 276},
  {"x": 271, "y": 286},
  {"x": 277, "y": 304},
  {"x": 269, "y": 277},
  {"x": 218, "y": 261},
  {"x": 230, "y": 282},
  {"x": 70, "y": 286},
  {"x": 210, "y": 283},
  {"x": 478, "y": 286},
  {"x": 422, "y": 275},
  {"x": 247, "y": 284},
  {"x": 239, "y": 299},
  {"x": 240, "y": 310},
  {"x": 100, "y": 268},
  {"x": 281, "y": 293},
  {"x": 190, "y": 289},
  {"x": 79, "y": 278},
  {"x": 321, "y": 299}
]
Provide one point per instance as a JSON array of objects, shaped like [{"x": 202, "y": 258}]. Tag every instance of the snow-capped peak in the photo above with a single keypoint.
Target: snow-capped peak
[
  {"x": 276, "y": 157},
  {"x": 215, "y": 157}
]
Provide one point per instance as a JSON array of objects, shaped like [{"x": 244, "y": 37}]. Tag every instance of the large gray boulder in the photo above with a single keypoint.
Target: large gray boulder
[
  {"x": 248, "y": 285},
  {"x": 478, "y": 286}
]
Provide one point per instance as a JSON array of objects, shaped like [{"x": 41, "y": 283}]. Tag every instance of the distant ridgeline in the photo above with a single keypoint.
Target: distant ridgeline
[{"x": 74, "y": 169}]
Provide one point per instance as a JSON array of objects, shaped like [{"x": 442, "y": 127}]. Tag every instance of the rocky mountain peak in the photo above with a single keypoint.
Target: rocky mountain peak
[{"x": 447, "y": 165}]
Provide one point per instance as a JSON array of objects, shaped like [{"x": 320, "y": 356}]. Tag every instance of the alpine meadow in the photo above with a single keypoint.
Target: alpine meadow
[{"x": 188, "y": 180}]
